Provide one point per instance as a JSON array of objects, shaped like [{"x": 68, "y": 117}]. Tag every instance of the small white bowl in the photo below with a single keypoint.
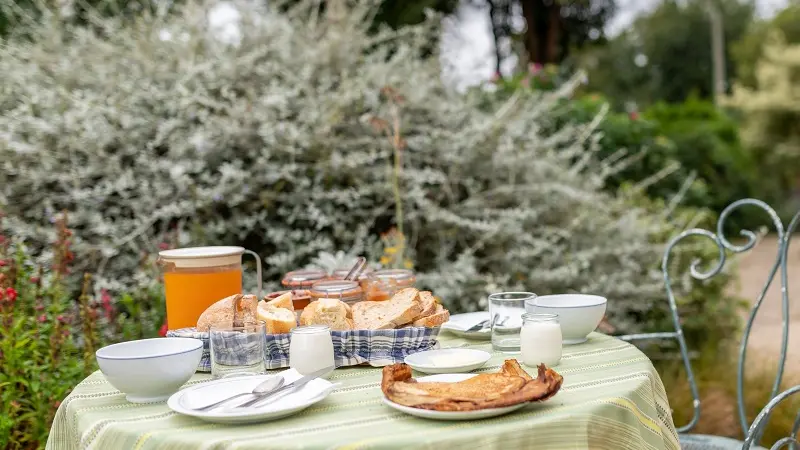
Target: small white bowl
[
  {"x": 447, "y": 360},
  {"x": 150, "y": 370},
  {"x": 578, "y": 314}
]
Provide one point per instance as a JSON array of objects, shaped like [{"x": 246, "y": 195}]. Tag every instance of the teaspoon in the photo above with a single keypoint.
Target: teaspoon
[{"x": 265, "y": 387}]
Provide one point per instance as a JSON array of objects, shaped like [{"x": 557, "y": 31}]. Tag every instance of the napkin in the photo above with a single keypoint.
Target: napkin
[{"x": 463, "y": 322}]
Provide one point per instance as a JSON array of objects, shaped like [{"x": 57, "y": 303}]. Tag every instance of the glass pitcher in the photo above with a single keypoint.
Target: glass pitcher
[{"x": 197, "y": 277}]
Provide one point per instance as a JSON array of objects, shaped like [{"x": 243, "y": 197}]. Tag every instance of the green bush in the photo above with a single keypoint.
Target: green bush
[{"x": 48, "y": 338}]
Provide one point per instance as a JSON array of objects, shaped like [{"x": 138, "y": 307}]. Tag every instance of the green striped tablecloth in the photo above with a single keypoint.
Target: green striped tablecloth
[{"x": 612, "y": 398}]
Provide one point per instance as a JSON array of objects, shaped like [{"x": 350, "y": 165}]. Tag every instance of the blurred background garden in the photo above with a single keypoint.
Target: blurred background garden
[{"x": 546, "y": 145}]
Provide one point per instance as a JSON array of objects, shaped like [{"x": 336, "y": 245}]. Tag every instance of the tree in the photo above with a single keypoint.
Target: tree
[
  {"x": 552, "y": 27},
  {"x": 667, "y": 54},
  {"x": 771, "y": 111},
  {"x": 749, "y": 49}
]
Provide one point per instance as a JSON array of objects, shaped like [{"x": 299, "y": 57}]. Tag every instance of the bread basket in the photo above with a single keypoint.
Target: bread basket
[{"x": 376, "y": 348}]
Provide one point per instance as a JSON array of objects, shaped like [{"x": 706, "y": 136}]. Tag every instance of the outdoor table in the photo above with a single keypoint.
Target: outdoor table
[{"x": 612, "y": 398}]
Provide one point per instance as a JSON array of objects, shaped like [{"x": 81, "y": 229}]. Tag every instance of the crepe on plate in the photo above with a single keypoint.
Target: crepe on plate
[{"x": 511, "y": 386}]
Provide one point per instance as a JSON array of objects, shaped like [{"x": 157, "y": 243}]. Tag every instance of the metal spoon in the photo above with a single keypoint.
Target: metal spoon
[{"x": 265, "y": 387}]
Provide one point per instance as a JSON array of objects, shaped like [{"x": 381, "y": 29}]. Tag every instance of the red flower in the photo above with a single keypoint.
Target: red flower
[
  {"x": 163, "y": 330},
  {"x": 2, "y": 262},
  {"x": 11, "y": 294},
  {"x": 34, "y": 280},
  {"x": 634, "y": 115},
  {"x": 42, "y": 318},
  {"x": 60, "y": 318}
]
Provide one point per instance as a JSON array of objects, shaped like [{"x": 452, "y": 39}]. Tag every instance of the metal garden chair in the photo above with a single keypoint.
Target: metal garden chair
[{"x": 752, "y": 431}]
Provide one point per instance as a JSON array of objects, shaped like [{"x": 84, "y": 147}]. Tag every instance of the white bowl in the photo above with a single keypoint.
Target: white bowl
[
  {"x": 150, "y": 370},
  {"x": 578, "y": 314}
]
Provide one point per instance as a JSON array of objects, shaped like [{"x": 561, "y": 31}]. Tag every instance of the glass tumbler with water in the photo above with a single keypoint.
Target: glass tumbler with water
[
  {"x": 505, "y": 313},
  {"x": 238, "y": 351}
]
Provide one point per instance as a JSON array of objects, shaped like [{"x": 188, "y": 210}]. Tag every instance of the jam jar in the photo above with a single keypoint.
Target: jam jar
[
  {"x": 382, "y": 284},
  {"x": 303, "y": 279},
  {"x": 349, "y": 292}
]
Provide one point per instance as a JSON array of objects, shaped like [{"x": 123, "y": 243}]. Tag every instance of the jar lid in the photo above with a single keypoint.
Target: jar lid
[
  {"x": 394, "y": 274},
  {"x": 202, "y": 256},
  {"x": 336, "y": 289},
  {"x": 303, "y": 278},
  {"x": 310, "y": 329},
  {"x": 339, "y": 274}
]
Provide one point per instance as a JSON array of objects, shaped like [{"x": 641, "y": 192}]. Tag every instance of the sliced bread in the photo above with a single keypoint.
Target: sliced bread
[
  {"x": 278, "y": 320},
  {"x": 439, "y": 317},
  {"x": 428, "y": 304},
  {"x": 282, "y": 301},
  {"x": 401, "y": 309}
]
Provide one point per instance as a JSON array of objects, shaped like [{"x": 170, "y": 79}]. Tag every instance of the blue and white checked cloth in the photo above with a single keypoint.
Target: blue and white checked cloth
[{"x": 350, "y": 348}]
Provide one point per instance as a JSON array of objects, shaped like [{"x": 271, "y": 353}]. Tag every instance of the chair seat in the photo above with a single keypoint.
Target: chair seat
[{"x": 707, "y": 442}]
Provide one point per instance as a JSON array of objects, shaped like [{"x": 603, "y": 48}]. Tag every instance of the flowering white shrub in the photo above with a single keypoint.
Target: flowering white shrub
[{"x": 302, "y": 137}]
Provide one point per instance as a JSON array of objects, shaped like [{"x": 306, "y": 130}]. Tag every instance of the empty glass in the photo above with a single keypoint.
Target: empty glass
[
  {"x": 505, "y": 313},
  {"x": 238, "y": 351}
]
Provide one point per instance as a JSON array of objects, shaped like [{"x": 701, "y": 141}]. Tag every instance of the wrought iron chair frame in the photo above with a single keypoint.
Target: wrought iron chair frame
[{"x": 752, "y": 432}]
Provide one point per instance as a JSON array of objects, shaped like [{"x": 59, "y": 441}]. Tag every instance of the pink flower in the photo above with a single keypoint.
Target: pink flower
[
  {"x": 163, "y": 246},
  {"x": 34, "y": 280},
  {"x": 11, "y": 294},
  {"x": 60, "y": 318},
  {"x": 496, "y": 77},
  {"x": 2, "y": 262},
  {"x": 526, "y": 82},
  {"x": 2, "y": 239},
  {"x": 42, "y": 318},
  {"x": 535, "y": 68},
  {"x": 634, "y": 115},
  {"x": 40, "y": 307}
]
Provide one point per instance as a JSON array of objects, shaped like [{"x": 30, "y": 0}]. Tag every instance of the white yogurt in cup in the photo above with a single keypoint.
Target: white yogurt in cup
[
  {"x": 540, "y": 340},
  {"x": 311, "y": 349}
]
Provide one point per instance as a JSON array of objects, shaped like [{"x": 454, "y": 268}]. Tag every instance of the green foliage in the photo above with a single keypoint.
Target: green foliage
[
  {"x": 48, "y": 338},
  {"x": 748, "y": 50},
  {"x": 771, "y": 117},
  {"x": 674, "y": 42}
]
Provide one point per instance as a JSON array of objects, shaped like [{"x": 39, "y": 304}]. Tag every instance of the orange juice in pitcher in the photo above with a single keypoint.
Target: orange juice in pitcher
[{"x": 195, "y": 278}]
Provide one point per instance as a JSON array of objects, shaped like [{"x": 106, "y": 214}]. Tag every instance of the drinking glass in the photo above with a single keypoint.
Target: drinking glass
[
  {"x": 505, "y": 313},
  {"x": 311, "y": 349},
  {"x": 238, "y": 351}
]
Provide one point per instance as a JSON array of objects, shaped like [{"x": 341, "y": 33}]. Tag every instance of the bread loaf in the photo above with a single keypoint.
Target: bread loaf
[
  {"x": 327, "y": 311},
  {"x": 221, "y": 313}
]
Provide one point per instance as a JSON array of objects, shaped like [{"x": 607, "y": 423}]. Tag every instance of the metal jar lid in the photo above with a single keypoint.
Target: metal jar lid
[{"x": 303, "y": 278}]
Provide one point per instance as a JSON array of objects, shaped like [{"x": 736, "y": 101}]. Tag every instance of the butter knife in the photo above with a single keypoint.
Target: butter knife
[{"x": 289, "y": 388}]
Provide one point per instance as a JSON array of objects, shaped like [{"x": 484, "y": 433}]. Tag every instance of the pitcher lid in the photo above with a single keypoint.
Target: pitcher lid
[{"x": 201, "y": 252}]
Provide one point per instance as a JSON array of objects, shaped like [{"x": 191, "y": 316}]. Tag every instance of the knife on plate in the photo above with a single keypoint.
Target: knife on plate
[{"x": 289, "y": 388}]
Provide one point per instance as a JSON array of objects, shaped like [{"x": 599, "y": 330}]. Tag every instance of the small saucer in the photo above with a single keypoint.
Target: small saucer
[{"x": 448, "y": 360}]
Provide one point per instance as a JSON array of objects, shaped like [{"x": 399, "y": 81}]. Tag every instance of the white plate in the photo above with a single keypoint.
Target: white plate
[
  {"x": 459, "y": 323},
  {"x": 452, "y": 415},
  {"x": 448, "y": 360},
  {"x": 206, "y": 393}
]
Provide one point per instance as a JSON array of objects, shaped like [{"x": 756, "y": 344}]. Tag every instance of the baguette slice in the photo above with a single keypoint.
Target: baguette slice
[
  {"x": 428, "y": 304},
  {"x": 221, "y": 313},
  {"x": 282, "y": 301},
  {"x": 278, "y": 320},
  {"x": 439, "y": 317},
  {"x": 403, "y": 308}
]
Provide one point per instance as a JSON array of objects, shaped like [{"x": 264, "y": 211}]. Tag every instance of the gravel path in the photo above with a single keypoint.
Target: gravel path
[{"x": 753, "y": 267}]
